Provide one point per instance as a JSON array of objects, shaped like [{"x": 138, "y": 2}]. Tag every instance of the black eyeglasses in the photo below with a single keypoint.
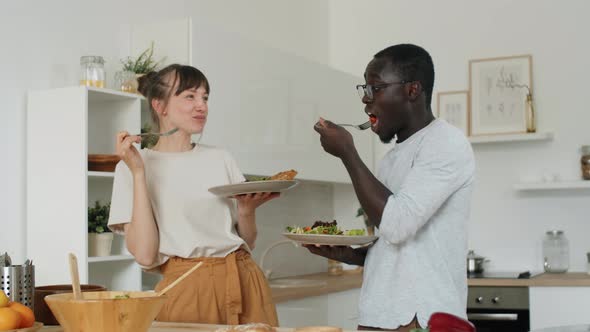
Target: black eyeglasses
[{"x": 369, "y": 90}]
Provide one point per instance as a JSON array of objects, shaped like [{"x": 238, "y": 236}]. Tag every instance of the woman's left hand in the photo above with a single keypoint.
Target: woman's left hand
[{"x": 249, "y": 202}]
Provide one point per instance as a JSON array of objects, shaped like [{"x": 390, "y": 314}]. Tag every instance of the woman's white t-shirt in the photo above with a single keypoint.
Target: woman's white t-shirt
[{"x": 191, "y": 221}]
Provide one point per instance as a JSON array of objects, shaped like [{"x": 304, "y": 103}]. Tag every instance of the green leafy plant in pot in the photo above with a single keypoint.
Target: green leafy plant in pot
[
  {"x": 143, "y": 64},
  {"x": 133, "y": 68},
  {"x": 100, "y": 238}
]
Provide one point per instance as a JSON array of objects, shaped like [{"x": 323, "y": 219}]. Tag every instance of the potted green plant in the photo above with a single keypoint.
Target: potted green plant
[
  {"x": 143, "y": 64},
  {"x": 100, "y": 238},
  {"x": 134, "y": 68},
  {"x": 370, "y": 228}
]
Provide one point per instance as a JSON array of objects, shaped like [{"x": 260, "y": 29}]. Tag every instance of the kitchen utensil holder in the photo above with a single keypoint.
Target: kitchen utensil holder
[{"x": 18, "y": 283}]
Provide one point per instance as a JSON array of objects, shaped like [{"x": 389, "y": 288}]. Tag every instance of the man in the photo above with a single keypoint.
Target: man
[{"x": 419, "y": 201}]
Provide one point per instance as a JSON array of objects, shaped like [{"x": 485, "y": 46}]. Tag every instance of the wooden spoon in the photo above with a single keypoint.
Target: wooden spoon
[
  {"x": 169, "y": 287},
  {"x": 75, "y": 277}
]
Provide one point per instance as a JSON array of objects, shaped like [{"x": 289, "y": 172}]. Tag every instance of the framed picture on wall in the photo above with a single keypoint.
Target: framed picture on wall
[
  {"x": 498, "y": 89},
  {"x": 453, "y": 107}
]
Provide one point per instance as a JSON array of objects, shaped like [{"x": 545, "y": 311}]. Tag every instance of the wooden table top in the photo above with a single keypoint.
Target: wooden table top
[{"x": 176, "y": 327}]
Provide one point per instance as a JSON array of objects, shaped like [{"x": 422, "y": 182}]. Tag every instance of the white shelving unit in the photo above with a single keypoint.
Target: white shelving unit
[
  {"x": 74, "y": 122},
  {"x": 101, "y": 174},
  {"x": 555, "y": 185},
  {"x": 539, "y": 136}
]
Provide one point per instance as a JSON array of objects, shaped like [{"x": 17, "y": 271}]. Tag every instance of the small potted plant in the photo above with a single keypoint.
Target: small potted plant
[
  {"x": 133, "y": 68},
  {"x": 143, "y": 64},
  {"x": 100, "y": 238}
]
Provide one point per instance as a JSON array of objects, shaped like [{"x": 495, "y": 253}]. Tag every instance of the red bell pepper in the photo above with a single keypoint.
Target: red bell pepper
[{"x": 444, "y": 322}]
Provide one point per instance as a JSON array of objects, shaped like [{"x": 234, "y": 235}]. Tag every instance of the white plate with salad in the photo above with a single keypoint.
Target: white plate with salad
[
  {"x": 328, "y": 233},
  {"x": 331, "y": 240}
]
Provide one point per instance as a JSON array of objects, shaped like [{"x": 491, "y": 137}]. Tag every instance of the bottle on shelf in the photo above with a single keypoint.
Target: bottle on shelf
[{"x": 531, "y": 126}]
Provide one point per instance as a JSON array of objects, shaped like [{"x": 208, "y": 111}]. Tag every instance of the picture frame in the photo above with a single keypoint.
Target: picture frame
[
  {"x": 498, "y": 89},
  {"x": 453, "y": 107}
]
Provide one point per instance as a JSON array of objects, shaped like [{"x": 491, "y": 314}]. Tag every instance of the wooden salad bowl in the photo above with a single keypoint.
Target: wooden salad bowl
[{"x": 106, "y": 311}]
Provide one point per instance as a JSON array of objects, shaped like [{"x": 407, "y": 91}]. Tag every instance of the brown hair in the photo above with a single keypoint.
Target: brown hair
[{"x": 159, "y": 85}]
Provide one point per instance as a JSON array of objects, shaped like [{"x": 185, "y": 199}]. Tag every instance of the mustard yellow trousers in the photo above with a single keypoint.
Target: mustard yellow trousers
[{"x": 230, "y": 290}]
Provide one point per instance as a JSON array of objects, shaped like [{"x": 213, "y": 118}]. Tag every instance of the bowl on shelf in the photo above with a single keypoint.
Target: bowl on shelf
[
  {"x": 106, "y": 311},
  {"x": 42, "y": 312},
  {"x": 102, "y": 162}
]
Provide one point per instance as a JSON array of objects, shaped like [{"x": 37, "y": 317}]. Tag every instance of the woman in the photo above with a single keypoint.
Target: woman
[{"x": 171, "y": 222}]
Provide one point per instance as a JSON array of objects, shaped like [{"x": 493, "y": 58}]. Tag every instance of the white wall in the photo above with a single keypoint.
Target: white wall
[
  {"x": 43, "y": 41},
  {"x": 506, "y": 226}
]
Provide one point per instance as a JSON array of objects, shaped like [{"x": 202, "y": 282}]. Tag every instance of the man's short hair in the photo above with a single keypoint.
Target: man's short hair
[{"x": 411, "y": 63}]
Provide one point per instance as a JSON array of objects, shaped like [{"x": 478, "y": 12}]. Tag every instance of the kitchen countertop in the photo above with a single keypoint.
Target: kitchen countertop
[
  {"x": 350, "y": 279},
  {"x": 571, "y": 279},
  {"x": 354, "y": 279}
]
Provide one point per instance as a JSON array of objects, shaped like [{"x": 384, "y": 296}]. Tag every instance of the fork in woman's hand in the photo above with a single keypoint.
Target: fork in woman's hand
[{"x": 167, "y": 133}]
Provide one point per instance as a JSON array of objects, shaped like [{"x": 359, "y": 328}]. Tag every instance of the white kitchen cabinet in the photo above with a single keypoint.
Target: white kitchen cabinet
[
  {"x": 265, "y": 102},
  {"x": 343, "y": 309},
  {"x": 63, "y": 127},
  {"x": 335, "y": 309},
  {"x": 558, "y": 306}
]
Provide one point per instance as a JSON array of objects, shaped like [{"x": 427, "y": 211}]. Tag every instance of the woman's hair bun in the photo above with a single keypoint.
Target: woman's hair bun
[{"x": 145, "y": 82}]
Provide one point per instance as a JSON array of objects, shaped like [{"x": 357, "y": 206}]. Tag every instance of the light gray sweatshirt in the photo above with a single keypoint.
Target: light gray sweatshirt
[{"x": 418, "y": 265}]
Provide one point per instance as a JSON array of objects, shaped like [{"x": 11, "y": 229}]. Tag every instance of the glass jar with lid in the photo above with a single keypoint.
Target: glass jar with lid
[
  {"x": 126, "y": 81},
  {"x": 555, "y": 252},
  {"x": 585, "y": 162},
  {"x": 92, "y": 71}
]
